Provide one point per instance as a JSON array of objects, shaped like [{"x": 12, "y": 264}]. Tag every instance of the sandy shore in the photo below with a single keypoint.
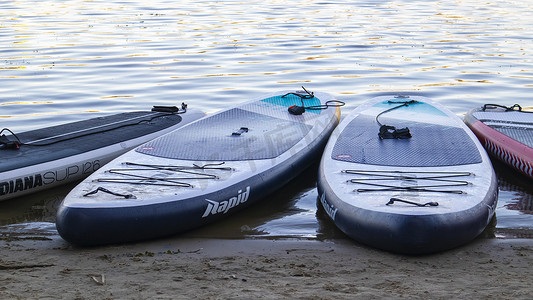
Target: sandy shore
[{"x": 38, "y": 264}]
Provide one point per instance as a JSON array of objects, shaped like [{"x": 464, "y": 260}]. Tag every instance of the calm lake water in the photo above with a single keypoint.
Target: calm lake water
[{"x": 63, "y": 61}]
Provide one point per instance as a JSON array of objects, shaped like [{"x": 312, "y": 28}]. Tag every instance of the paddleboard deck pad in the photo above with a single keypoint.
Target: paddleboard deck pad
[
  {"x": 506, "y": 133},
  {"x": 201, "y": 172},
  {"x": 44, "y": 158},
  {"x": 404, "y": 174}
]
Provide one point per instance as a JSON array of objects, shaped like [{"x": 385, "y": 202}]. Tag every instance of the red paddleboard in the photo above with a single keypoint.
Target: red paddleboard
[{"x": 506, "y": 133}]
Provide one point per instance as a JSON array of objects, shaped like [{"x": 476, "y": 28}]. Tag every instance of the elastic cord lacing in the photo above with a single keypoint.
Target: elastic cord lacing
[
  {"x": 390, "y": 132},
  {"x": 146, "y": 174},
  {"x": 409, "y": 181},
  {"x": 298, "y": 110},
  {"x": 427, "y": 181}
]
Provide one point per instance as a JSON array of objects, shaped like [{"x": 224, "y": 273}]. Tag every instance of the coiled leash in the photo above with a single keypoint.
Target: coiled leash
[
  {"x": 391, "y": 132},
  {"x": 298, "y": 110}
]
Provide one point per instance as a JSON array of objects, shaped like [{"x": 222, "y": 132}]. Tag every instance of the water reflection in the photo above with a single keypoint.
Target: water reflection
[
  {"x": 515, "y": 203},
  {"x": 523, "y": 201},
  {"x": 287, "y": 212},
  {"x": 33, "y": 208}
]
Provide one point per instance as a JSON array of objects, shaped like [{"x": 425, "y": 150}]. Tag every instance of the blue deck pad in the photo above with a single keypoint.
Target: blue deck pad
[
  {"x": 211, "y": 139},
  {"x": 291, "y": 100},
  {"x": 430, "y": 146}
]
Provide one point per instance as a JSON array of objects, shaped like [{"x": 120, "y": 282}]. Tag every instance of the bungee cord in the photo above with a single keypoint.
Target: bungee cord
[
  {"x": 135, "y": 176},
  {"x": 438, "y": 178}
]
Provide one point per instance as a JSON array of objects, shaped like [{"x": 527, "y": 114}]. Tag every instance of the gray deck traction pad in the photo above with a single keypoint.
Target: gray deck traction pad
[
  {"x": 106, "y": 132},
  {"x": 514, "y": 124},
  {"x": 431, "y": 145},
  {"x": 212, "y": 138}
]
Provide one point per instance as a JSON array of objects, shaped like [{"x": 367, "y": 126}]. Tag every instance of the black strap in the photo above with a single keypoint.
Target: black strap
[
  {"x": 240, "y": 131},
  {"x": 101, "y": 189},
  {"x": 6, "y": 143},
  {"x": 307, "y": 95},
  {"x": 392, "y": 200},
  {"x": 170, "y": 109},
  {"x": 515, "y": 107}
]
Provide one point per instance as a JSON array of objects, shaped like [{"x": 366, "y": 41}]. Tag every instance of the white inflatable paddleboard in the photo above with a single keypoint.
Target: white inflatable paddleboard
[
  {"x": 201, "y": 172},
  {"x": 404, "y": 174},
  {"x": 45, "y": 158}
]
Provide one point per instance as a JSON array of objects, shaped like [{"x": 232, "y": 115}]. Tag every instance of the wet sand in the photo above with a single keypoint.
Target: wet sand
[{"x": 38, "y": 264}]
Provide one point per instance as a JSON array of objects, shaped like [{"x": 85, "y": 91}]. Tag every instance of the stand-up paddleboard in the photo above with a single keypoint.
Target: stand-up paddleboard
[
  {"x": 404, "y": 174},
  {"x": 506, "y": 133},
  {"x": 201, "y": 172},
  {"x": 44, "y": 158}
]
